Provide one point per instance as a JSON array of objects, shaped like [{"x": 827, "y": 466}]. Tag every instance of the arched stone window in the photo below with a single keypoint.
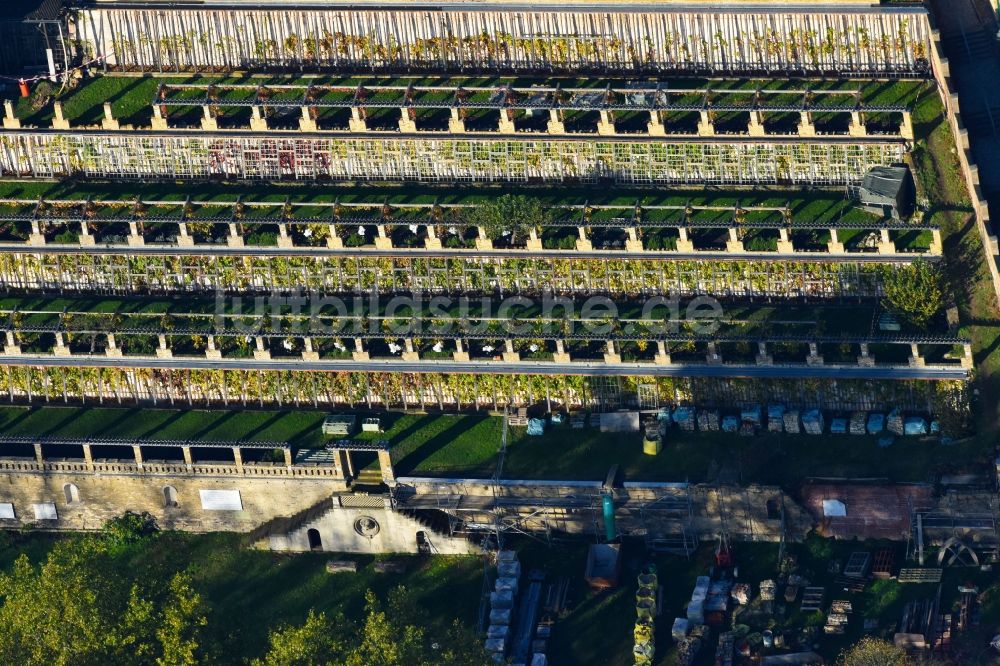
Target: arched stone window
[
  {"x": 315, "y": 541},
  {"x": 169, "y": 496},
  {"x": 72, "y": 493}
]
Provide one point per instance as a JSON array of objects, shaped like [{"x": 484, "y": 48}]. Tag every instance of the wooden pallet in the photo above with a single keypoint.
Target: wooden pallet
[
  {"x": 915, "y": 575},
  {"x": 884, "y": 563},
  {"x": 812, "y": 599},
  {"x": 841, "y": 606}
]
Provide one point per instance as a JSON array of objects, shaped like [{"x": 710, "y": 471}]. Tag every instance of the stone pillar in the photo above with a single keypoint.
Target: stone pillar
[
  {"x": 460, "y": 354},
  {"x": 806, "y": 127},
  {"x": 866, "y": 360},
  {"x": 36, "y": 237},
  {"x": 936, "y": 247},
  {"x": 261, "y": 353},
  {"x": 258, "y": 122},
  {"x": 163, "y": 351},
  {"x": 184, "y": 239},
  {"x": 662, "y": 356},
  {"x": 309, "y": 354},
  {"x": 209, "y": 123},
  {"x": 763, "y": 357},
  {"x": 284, "y": 240},
  {"x": 705, "y": 125},
  {"x": 756, "y": 125},
  {"x": 334, "y": 241},
  {"x": 432, "y": 242},
  {"x": 534, "y": 242},
  {"x": 359, "y": 353},
  {"x": 506, "y": 125},
  {"x": 112, "y": 349},
  {"x": 455, "y": 124},
  {"x": 713, "y": 357},
  {"x": 606, "y": 124},
  {"x": 39, "y": 458},
  {"x": 906, "y": 126},
  {"x": 137, "y": 452},
  {"x": 288, "y": 457},
  {"x": 385, "y": 464},
  {"x": 814, "y": 358},
  {"x": 59, "y": 121},
  {"x": 655, "y": 126},
  {"x": 785, "y": 244},
  {"x": 234, "y": 239},
  {"x": 109, "y": 122},
  {"x": 857, "y": 127},
  {"x": 307, "y": 123},
  {"x": 88, "y": 456},
  {"x": 357, "y": 123},
  {"x": 916, "y": 360},
  {"x": 10, "y": 121},
  {"x": 885, "y": 243},
  {"x": 211, "y": 352},
  {"x": 11, "y": 348},
  {"x": 135, "y": 238},
  {"x": 734, "y": 245},
  {"x": 188, "y": 460},
  {"x": 560, "y": 355},
  {"x": 633, "y": 244},
  {"x": 238, "y": 459},
  {"x": 555, "y": 124},
  {"x": 612, "y": 355},
  {"x": 967, "y": 358},
  {"x": 86, "y": 238},
  {"x": 509, "y": 355},
  {"x": 684, "y": 243},
  {"x": 60, "y": 349},
  {"x": 407, "y": 125},
  {"x": 382, "y": 241},
  {"x": 583, "y": 244},
  {"x": 159, "y": 121},
  {"x": 834, "y": 246},
  {"x": 483, "y": 242},
  {"x": 409, "y": 353}
]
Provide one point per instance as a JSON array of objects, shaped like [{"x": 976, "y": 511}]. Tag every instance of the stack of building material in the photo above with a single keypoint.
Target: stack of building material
[
  {"x": 684, "y": 417},
  {"x": 836, "y": 621},
  {"x": 696, "y": 607},
  {"x": 894, "y": 422},
  {"x": 724, "y": 652},
  {"x": 730, "y": 424},
  {"x": 680, "y": 629},
  {"x": 687, "y": 650},
  {"x": 708, "y": 420},
  {"x": 767, "y": 588},
  {"x": 876, "y": 423},
  {"x": 813, "y": 423},
  {"x": 858, "y": 422},
  {"x": 717, "y": 600},
  {"x": 775, "y": 418},
  {"x": 790, "y": 420},
  {"x": 914, "y": 425},
  {"x": 502, "y": 604},
  {"x": 751, "y": 415},
  {"x": 740, "y": 593},
  {"x": 838, "y": 426}
]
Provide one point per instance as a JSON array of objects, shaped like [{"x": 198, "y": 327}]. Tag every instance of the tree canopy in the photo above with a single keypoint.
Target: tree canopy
[
  {"x": 872, "y": 652},
  {"x": 509, "y": 213},
  {"x": 914, "y": 293}
]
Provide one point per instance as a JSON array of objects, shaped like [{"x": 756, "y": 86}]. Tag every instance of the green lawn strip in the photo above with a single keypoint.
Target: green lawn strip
[{"x": 253, "y": 591}]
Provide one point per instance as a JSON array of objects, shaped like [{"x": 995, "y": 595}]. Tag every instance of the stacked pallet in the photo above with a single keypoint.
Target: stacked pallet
[
  {"x": 775, "y": 418},
  {"x": 894, "y": 422},
  {"x": 859, "y": 422},
  {"x": 813, "y": 423},
  {"x": 685, "y": 418},
  {"x": 790, "y": 420},
  {"x": 708, "y": 420}
]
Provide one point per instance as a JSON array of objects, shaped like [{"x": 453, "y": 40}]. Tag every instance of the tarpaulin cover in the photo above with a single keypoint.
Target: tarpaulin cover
[
  {"x": 876, "y": 423},
  {"x": 536, "y": 427},
  {"x": 914, "y": 425}
]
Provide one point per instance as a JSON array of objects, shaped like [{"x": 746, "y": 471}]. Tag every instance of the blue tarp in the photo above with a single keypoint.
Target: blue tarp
[
  {"x": 838, "y": 425},
  {"x": 914, "y": 425},
  {"x": 751, "y": 414},
  {"x": 935, "y": 427},
  {"x": 886, "y": 441},
  {"x": 557, "y": 418},
  {"x": 730, "y": 424},
  {"x": 536, "y": 427},
  {"x": 876, "y": 423},
  {"x": 683, "y": 414},
  {"x": 775, "y": 412},
  {"x": 664, "y": 415}
]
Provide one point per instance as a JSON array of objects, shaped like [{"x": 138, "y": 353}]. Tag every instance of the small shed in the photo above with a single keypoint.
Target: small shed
[{"x": 888, "y": 191}]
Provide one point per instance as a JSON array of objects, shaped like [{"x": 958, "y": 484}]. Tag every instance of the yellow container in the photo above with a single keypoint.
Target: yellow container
[{"x": 652, "y": 447}]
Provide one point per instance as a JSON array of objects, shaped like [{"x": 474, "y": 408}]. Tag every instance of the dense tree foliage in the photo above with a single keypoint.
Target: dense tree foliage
[
  {"x": 914, "y": 293},
  {"x": 872, "y": 652},
  {"x": 510, "y": 213}
]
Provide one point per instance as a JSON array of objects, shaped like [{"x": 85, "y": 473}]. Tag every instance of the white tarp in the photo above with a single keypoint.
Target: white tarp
[
  {"x": 221, "y": 500},
  {"x": 45, "y": 511},
  {"x": 834, "y": 508},
  {"x": 7, "y": 511}
]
